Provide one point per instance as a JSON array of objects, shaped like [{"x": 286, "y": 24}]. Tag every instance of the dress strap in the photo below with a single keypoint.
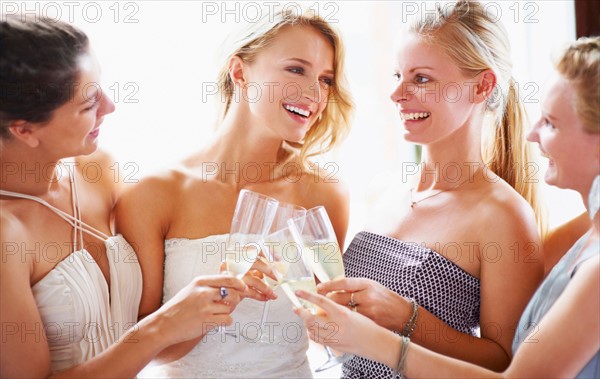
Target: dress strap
[{"x": 75, "y": 221}]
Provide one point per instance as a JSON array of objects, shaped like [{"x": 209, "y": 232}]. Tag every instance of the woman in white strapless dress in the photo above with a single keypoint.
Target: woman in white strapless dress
[
  {"x": 69, "y": 292},
  {"x": 263, "y": 145}
]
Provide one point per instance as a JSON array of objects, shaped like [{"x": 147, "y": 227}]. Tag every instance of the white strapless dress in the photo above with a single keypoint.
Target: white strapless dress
[{"x": 280, "y": 354}]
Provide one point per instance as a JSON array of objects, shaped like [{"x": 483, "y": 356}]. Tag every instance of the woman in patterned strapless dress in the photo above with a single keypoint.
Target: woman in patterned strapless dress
[
  {"x": 568, "y": 133},
  {"x": 263, "y": 144},
  {"x": 453, "y": 261},
  {"x": 70, "y": 290}
]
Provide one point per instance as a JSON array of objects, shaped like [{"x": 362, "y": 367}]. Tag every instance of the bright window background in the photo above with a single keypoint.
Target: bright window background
[{"x": 160, "y": 58}]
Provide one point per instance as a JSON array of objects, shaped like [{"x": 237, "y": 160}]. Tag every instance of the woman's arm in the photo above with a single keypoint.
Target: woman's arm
[
  {"x": 550, "y": 351},
  {"x": 510, "y": 263},
  {"x": 142, "y": 216}
]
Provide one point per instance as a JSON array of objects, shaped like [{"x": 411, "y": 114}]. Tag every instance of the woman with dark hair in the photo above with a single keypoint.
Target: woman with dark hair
[{"x": 70, "y": 290}]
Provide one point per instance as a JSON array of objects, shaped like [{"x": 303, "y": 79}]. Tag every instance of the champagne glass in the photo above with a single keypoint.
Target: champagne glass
[
  {"x": 285, "y": 212},
  {"x": 294, "y": 270},
  {"x": 325, "y": 256},
  {"x": 252, "y": 219}
]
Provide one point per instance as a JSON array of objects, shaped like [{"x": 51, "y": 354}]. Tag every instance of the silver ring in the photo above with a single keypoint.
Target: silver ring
[
  {"x": 223, "y": 292},
  {"x": 351, "y": 303}
]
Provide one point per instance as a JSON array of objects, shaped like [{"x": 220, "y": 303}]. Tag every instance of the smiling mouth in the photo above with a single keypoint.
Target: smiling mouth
[
  {"x": 297, "y": 111},
  {"x": 415, "y": 116}
]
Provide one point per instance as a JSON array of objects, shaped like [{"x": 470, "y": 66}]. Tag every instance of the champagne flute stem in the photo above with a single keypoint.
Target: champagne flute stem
[{"x": 265, "y": 314}]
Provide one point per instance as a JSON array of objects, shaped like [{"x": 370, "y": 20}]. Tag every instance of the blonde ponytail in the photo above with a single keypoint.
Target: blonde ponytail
[{"x": 507, "y": 153}]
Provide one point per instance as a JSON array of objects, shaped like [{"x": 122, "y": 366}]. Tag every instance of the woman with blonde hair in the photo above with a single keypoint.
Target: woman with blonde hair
[
  {"x": 452, "y": 262},
  {"x": 557, "y": 335},
  {"x": 285, "y": 100}
]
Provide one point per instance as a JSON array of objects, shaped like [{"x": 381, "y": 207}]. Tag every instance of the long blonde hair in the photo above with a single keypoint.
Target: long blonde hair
[
  {"x": 475, "y": 42},
  {"x": 580, "y": 65},
  {"x": 334, "y": 123}
]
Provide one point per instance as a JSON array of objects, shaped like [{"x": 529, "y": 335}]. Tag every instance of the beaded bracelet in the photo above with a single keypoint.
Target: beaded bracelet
[
  {"x": 411, "y": 324},
  {"x": 402, "y": 360}
]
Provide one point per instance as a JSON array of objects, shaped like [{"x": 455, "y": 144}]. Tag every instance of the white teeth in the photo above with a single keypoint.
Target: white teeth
[
  {"x": 414, "y": 116},
  {"x": 297, "y": 110}
]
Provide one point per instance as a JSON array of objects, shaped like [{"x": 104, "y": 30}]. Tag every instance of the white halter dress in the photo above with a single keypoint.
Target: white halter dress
[{"x": 81, "y": 315}]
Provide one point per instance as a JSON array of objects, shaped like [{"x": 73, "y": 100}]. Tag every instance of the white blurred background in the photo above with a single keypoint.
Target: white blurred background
[{"x": 160, "y": 59}]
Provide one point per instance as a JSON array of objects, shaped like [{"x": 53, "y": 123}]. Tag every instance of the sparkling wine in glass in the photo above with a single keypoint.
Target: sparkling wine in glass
[
  {"x": 326, "y": 261},
  {"x": 252, "y": 219},
  {"x": 296, "y": 269},
  {"x": 272, "y": 248}
]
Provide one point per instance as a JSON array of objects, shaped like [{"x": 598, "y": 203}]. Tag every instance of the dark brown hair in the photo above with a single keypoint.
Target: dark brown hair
[{"x": 38, "y": 68}]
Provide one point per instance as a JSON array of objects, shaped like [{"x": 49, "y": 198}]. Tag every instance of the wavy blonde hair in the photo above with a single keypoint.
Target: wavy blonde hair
[
  {"x": 580, "y": 65},
  {"x": 475, "y": 42},
  {"x": 334, "y": 123}
]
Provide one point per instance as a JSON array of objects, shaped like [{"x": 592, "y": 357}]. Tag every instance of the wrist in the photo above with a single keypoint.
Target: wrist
[
  {"x": 150, "y": 331},
  {"x": 387, "y": 350}
]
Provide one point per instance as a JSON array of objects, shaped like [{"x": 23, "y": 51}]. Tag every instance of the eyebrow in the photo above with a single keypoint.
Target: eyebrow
[
  {"x": 306, "y": 63},
  {"x": 420, "y": 68},
  {"x": 90, "y": 99}
]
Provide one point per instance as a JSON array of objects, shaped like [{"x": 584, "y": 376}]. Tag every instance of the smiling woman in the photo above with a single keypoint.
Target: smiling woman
[
  {"x": 284, "y": 100},
  {"x": 70, "y": 290}
]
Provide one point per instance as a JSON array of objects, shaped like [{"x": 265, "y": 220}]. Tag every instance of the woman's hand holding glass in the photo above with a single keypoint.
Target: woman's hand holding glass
[
  {"x": 371, "y": 299},
  {"x": 256, "y": 280},
  {"x": 204, "y": 304},
  {"x": 337, "y": 326}
]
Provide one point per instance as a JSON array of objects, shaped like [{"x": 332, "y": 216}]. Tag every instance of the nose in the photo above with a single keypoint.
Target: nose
[
  {"x": 533, "y": 135},
  {"x": 107, "y": 106},
  {"x": 401, "y": 93},
  {"x": 313, "y": 92}
]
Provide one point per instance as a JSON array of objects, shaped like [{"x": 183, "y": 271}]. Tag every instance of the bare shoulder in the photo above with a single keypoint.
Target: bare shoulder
[
  {"x": 325, "y": 189},
  {"x": 332, "y": 193},
  {"x": 157, "y": 190},
  {"x": 503, "y": 208}
]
